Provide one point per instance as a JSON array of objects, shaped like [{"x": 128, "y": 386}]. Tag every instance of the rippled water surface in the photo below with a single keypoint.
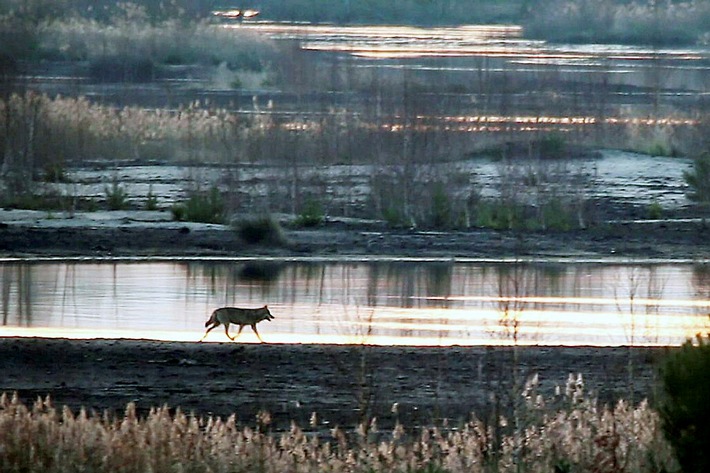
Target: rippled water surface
[
  {"x": 492, "y": 42},
  {"x": 374, "y": 302}
]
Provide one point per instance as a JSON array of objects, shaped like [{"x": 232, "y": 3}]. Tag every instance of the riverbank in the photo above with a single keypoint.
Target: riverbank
[
  {"x": 340, "y": 383},
  {"x": 145, "y": 234}
]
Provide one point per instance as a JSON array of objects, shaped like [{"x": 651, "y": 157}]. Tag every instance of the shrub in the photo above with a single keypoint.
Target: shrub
[
  {"x": 116, "y": 197},
  {"x": 498, "y": 215},
  {"x": 37, "y": 201},
  {"x": 311, "y": 215},
  {"x": 699, "y": 179},
  {"x": 394, "y": 217},
  {"x": 151, "y": 200},
  {"x": 55, "y": 172},
  {"x": 204, "y": 207},
  {"x": 659, "y": 148},
  {"x": 178, "y": 211},
  {"x": 685, "y": 410},
  {"x": 655, "y": 210},
  {"x": 553, "y": 146},
  {"x": 261, "y": 230},
  {"x": 440, "y": 207},
  {"x": 555, "y": 216}
]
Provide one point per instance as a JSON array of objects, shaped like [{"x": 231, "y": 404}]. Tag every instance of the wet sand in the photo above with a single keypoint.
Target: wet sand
[{"x": 342, "y": 384}]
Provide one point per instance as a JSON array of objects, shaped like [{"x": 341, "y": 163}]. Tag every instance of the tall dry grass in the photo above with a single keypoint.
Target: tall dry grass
[
  {"x": 132, "y": 33},
  {"x": 62, "y": 129},
  {"x": 572, "y": 434}
]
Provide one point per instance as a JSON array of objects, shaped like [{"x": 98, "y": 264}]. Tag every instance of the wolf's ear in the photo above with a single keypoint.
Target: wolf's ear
[{"x": 266, "y": 306}]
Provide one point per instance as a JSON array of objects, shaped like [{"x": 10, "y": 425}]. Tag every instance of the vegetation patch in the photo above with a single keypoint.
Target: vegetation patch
[
  {"x": 684, "y": 409},
  {"x": 49, "y": 201},
  {"x": 116, "y": 196},
  {"x": 698, "y": 179},
  {"x": 151, "y": 200},
  {"x": 610, "y": 21},
  {"x": 203, "y": 207},
  {"x": 264, "y": 230},
  {"x": 655, "y": 210},
  {"x": 568, "y": 432},
  {"x": 498, "y": 215},
  {"x": 311, "y": 214}
]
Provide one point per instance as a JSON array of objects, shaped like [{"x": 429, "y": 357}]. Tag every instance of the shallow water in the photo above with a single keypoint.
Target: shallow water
[
  {"x": 356, "y": 302},
  {"x": 634, "y": 179},
  {"x": 683, "y": 68}
]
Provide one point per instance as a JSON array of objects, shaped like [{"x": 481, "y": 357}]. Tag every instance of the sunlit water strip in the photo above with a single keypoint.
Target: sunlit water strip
[
  {"x": 401, "y": 42},
  {"x": 381, "y": 303}
]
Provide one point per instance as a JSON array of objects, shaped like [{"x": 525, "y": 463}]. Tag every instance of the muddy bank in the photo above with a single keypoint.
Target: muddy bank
[
  {"x": 340, "y": 383},
  {"x": 673, "y": 239}
]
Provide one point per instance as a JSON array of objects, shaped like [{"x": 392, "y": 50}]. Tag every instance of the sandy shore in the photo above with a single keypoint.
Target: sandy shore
[{"x": 340, "y": 383}]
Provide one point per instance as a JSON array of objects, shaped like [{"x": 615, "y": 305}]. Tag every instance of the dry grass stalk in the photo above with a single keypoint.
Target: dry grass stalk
[{"x": 575, "y": 436}]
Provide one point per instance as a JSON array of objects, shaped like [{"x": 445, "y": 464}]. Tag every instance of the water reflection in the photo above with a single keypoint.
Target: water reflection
[
  {"x": 402, "y": 303},
  {"x": 396, "y": 42}
]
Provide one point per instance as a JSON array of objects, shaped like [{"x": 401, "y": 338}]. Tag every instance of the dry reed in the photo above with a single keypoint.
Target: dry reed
[{"x": 574, "y": 435}]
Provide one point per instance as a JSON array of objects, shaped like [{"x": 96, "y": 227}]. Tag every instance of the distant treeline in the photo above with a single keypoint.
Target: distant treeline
[
  {"x": 584, "y": 21},
  {"x": 599, "y": 21},
  {"x": 419, "y": 12},
  {"x": 413, "y": 12}
]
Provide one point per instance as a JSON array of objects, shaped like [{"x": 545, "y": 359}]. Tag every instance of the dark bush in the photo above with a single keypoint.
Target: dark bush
[
  {"x": 553, "y": 146},
  {"x": 122, "y": 69},
  {"x": 699, "y": 179},
  {"x": 685, "y": 404},
  {"x": 440, "y": 217},
  {"x": 261, "y": 230}
]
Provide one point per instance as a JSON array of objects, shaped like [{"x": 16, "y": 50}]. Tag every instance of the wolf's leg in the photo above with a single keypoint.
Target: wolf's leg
[
  {"x": 208, "y": 331},
  {"x": 226, "y": 330},
  {"x": 241, "y": 327},
  {"x": 253, "y": 327}
]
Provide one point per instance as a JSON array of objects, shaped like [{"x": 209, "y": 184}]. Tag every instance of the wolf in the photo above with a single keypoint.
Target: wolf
[{"x": 235, "y": 315}]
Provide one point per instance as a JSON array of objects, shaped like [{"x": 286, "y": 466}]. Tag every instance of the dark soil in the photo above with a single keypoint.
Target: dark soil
[
  {"x": 342, "y": 384},
  {"x": 647, "y": 240}
]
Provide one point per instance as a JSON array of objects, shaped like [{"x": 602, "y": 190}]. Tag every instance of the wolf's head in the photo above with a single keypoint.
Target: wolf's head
[{"x": 264, "y": 313}]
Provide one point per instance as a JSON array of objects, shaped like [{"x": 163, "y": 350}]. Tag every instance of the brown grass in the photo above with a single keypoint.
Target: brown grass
[{"x": 573, "y": 435}]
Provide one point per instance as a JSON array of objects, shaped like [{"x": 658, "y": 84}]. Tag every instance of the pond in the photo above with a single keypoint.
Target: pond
[{"x": 379, "y": 302}]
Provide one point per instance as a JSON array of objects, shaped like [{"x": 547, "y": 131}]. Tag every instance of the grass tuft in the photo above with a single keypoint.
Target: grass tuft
[
  {"x": 203, "y": 207},
  {"x": 261, "y": 230},
  {"x": 116, "y": 196}
]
